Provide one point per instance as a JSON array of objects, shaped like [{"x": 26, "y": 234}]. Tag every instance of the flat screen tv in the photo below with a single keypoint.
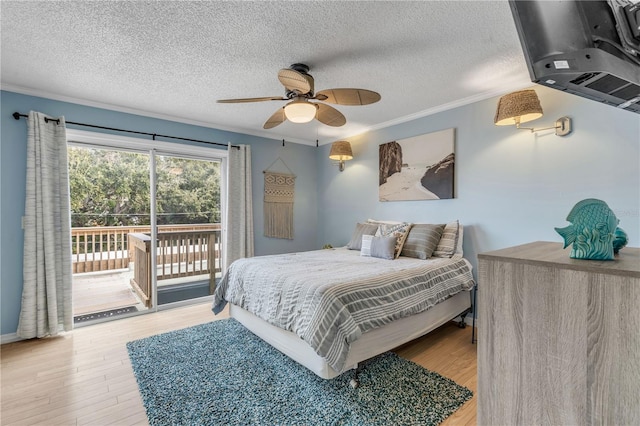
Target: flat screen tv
[{"x": 587, "y": 48}]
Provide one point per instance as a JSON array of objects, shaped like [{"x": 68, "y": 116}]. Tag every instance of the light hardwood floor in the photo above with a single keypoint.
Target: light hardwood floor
[{"x": 85, "y": 377}]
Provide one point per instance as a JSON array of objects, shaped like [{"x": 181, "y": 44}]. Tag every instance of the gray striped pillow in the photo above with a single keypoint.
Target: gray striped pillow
[
  {"x": 448, "y": 242},
  {"x": 422, "y": 240},
  {"x": 361, "y": 229}
]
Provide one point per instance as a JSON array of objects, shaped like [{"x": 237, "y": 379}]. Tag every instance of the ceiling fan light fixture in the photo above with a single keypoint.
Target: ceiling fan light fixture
[
  {"x": 299, "y": 89},
  {"x": 300, "y": 111}
]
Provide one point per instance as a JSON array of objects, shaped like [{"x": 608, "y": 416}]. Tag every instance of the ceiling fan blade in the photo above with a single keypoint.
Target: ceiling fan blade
[
  {"x": 277, "y": 118},
  {"x": 349, "y": 96},
  {"x": 330, "y": 116},
  {"x": 237, "y": 101},
  {"x": 294, "y": 80}
]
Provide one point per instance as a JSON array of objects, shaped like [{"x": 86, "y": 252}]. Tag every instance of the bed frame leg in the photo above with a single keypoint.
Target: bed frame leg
[
  {"x": 355, "y": 381},
  {"x": 463, "y": 315},
  {"x": 472, "y": 311}
]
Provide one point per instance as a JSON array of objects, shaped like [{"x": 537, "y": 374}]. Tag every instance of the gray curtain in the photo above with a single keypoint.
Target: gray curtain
[
  {"x": 238, "y": 241},
  {"x": 46, "y": 294}
]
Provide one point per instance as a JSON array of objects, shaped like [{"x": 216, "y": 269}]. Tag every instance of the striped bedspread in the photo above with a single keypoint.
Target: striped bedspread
[{"x": 330, "y": 297}]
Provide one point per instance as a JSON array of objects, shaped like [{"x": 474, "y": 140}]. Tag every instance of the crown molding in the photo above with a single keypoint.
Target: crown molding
[
  {"x": 437, "y": 109},
  {"x": 117, "y": 108},
  {"x": 421, "y": 114}
]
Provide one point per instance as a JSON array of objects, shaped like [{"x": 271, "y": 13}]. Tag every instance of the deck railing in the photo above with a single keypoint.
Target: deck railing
[
  {"x": 179, "y": 254},
  {"x": 104, "y": 248},
  {"x": 182, "y": 251}
]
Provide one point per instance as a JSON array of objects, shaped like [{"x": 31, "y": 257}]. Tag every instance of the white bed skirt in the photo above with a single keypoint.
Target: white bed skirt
[{"x": 370, "y": 344}]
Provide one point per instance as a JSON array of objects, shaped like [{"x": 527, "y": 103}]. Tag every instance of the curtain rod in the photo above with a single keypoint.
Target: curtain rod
[{"x": 17, "y": 116}]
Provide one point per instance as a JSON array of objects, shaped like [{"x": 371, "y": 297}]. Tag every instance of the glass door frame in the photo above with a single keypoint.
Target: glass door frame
[
  {"x": 86, "y": 139},
  {"x": 195, "y": 239}
]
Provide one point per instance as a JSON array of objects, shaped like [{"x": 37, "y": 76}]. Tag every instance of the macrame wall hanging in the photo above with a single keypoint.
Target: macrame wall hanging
[{"x": 279, "y": 190}]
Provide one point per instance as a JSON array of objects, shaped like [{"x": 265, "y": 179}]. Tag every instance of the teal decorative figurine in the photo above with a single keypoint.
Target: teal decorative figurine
[
  {"x": 620, "y": 240},
  {"x": 592, "y": 230}
]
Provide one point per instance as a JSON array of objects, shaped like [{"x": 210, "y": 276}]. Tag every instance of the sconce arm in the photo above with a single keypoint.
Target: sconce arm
[{"x": 562, "y": 127}]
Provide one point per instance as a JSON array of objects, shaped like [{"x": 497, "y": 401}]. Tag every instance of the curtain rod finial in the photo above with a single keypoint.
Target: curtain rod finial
[{"x": 16, "y": 115}]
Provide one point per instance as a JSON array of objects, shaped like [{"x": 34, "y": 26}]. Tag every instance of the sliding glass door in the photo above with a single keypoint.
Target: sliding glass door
[
  {"x": 110, "y": 203},
  {"x": 188, "y": 216},
  {"x": 146, "y": 224}
]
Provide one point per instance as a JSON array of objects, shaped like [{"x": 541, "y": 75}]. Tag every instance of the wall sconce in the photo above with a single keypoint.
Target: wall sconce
[
  {"x": 520, "y": 107},
  {"x": 341, "y": 151}
]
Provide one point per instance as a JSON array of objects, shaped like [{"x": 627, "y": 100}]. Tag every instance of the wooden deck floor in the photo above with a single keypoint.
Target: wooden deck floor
[
  {"x": 103, "y": 291},
  {"x": 109, "y": 290},
  {"x": 85, "y": 377}
]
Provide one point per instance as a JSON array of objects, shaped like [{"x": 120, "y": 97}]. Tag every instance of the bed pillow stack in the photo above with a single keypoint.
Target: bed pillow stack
[
  {"x": 420, "y": 241},
  {"x": 398, "y": 230}
]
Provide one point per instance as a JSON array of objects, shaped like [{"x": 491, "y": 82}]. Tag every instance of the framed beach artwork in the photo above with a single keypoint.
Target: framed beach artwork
[{"x": 418, "y": 168}]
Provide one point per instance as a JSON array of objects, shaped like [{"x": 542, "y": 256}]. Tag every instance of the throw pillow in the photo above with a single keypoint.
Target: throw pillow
[
  {"x": 422, "y": 240},
  {"x": 400, "y": 231},
  {"x": 447, "y": 244},
  {"x": 381, "y": 247},
  {"x": 356, "y": 237}
]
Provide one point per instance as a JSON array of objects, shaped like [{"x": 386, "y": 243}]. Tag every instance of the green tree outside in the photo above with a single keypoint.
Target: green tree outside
[{"x": 111, "y": 188}]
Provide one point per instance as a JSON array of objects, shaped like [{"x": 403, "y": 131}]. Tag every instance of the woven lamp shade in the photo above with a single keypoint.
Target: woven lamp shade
[
  {"x": 341, "y": 151},
  {"x": 518, "y": 107}
]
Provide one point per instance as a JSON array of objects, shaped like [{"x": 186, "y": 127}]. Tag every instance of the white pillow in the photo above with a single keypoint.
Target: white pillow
[{"x": 383, "y": 222}]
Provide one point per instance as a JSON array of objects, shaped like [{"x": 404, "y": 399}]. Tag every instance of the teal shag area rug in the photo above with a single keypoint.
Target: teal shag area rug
[{"x": 220, "y": 373}]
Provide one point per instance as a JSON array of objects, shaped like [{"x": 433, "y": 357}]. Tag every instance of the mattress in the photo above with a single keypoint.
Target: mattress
[
  {"x": 370, "y": 344},
  {"x": 331, "y": 298}
]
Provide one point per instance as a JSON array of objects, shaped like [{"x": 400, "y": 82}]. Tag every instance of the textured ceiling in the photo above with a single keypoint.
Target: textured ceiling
[{"x": 174, "y": 59}]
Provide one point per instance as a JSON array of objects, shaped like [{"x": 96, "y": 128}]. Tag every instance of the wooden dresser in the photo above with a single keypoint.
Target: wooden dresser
[{"x": 559, "y": 338}]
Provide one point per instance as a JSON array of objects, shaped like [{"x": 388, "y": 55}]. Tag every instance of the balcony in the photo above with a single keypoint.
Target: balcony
[{"x": 112, "y": 268}]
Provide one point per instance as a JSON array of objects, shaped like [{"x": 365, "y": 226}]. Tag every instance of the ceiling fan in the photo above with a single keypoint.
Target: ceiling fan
[{"x": 298, "y": 84}]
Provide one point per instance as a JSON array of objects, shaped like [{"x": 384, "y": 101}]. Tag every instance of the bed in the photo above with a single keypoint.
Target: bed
[{"x": 332, "y": 309}]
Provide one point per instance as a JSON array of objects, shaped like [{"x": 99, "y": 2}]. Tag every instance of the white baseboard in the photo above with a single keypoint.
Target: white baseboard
[{"x": 9, "y": 338}]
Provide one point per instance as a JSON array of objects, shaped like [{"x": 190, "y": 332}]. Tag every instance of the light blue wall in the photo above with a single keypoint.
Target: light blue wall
[
  {"x": 512, "y": 187},
  {"x": 300, "y": 158}
]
